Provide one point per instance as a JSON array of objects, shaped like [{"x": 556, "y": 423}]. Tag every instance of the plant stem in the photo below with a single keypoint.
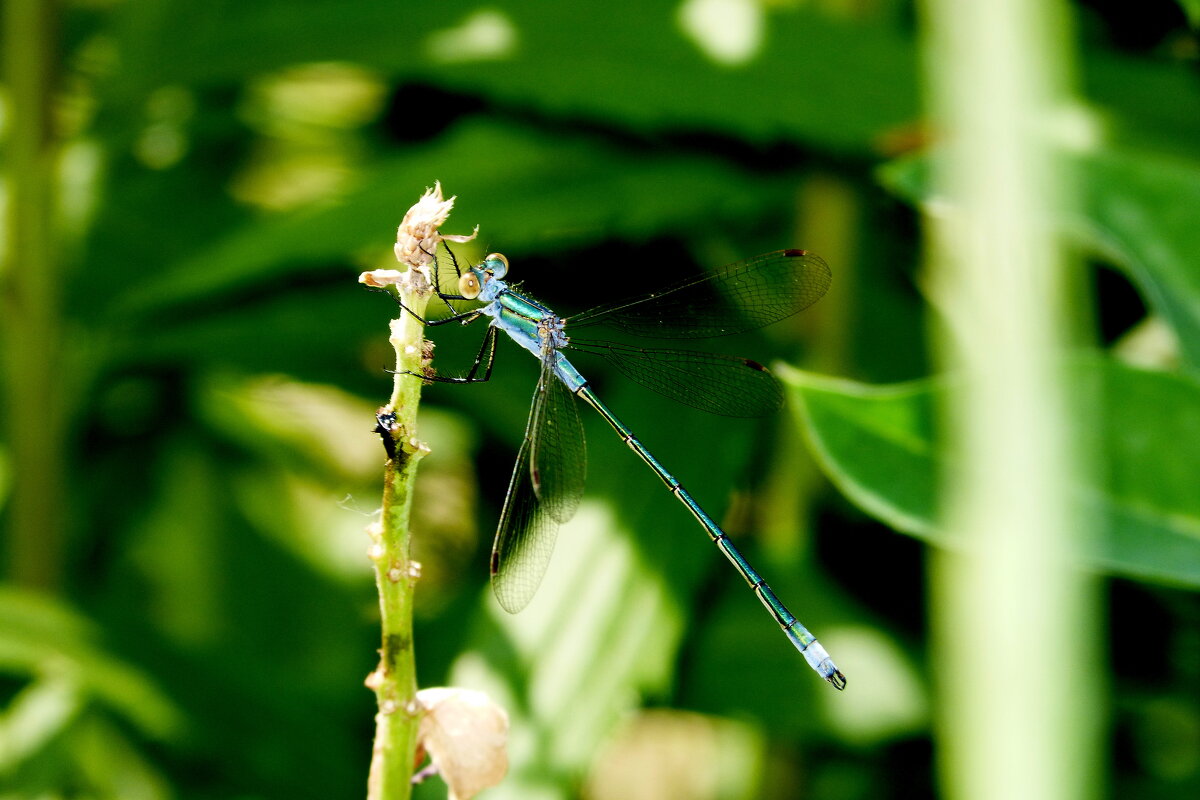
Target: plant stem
[
  {"x": 1011, "y": 616},
  {"x": 394, "y": 680},
  {"x": 34, "y": 395}
]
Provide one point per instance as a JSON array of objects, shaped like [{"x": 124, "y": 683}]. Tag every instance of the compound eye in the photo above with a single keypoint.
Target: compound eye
[
  {"x": 468, "y": 285},
  {"x": 496, "y": 264}
]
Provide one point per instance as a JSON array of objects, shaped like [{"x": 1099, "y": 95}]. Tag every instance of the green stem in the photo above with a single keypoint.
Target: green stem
[
  {"x": 1017, "y": 689},
  {"x": 395, "y": 679},
  {"x": 31, "y": 313}
]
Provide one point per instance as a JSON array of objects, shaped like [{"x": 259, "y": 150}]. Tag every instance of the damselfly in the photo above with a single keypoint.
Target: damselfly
[{"x": 547, "y": 482}]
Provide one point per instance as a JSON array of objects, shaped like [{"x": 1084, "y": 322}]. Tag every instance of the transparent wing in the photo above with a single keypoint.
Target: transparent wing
[
  {"x": 558, "y": 454},
  {"x": 736, "y": 298},
  {"x": 524, "y": 540},
  {"x": 725, "y": 385},
  {"x": 543, "y": 492}
]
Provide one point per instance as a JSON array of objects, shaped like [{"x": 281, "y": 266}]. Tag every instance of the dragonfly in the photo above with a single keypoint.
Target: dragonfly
[{"x": 548, "y": 479}]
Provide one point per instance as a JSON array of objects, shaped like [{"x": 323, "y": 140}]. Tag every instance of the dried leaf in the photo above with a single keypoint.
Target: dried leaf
[{"x": 466, "y": 736}]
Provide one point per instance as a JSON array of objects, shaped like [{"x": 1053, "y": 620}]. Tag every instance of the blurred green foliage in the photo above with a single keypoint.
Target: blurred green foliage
[
  {"x": 229, "y": 167},
  {"x": 880, "y": 445}
]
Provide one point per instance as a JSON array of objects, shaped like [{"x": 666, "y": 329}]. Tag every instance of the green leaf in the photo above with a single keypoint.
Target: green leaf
[
  {"x": 1140, "y": 210},
  {"x": 40, "y": 636},
  {"x": 1192, "y": 9},
  {"x": 1136, "y": 209},
  {"x": 634, "y": 63},
  {"x": 34, "y": 716},
  {"x": 879, "y": 446},
  {"x": 531, "y": 190}
]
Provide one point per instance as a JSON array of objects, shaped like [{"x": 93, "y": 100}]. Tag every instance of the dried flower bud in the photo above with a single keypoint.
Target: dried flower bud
[
  {"x": 418, "y": 237},
  {"x": 417, "y": 240}
]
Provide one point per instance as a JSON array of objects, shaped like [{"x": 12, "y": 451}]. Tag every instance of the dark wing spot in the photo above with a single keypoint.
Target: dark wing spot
[{"x": 754, "y": 365}]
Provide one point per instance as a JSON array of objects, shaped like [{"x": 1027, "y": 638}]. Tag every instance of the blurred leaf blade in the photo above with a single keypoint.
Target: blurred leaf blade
[
  {"x": 37, "y": 714},
  {"x": 1192, "y": 9},
  {"x": 879, "y": 446},
  {"x": 557, "y": 191},
  {"x": 570, "y": 62},
  {"x": 566, "y": 60},
  {"x": 1138, "y": 210},
  {"x": 39, "y": 634}
]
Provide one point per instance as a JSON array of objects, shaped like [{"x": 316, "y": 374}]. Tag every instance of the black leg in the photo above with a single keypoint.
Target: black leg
[
  {"x": 487, "y": 350},
  {"x": 489, "y": 345},
  {"x": 486, "y": 355},
  {"x": 465, "y": 316},
  {"x": 437, "y": 285},
  {"x": 453, "y": 260}
]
